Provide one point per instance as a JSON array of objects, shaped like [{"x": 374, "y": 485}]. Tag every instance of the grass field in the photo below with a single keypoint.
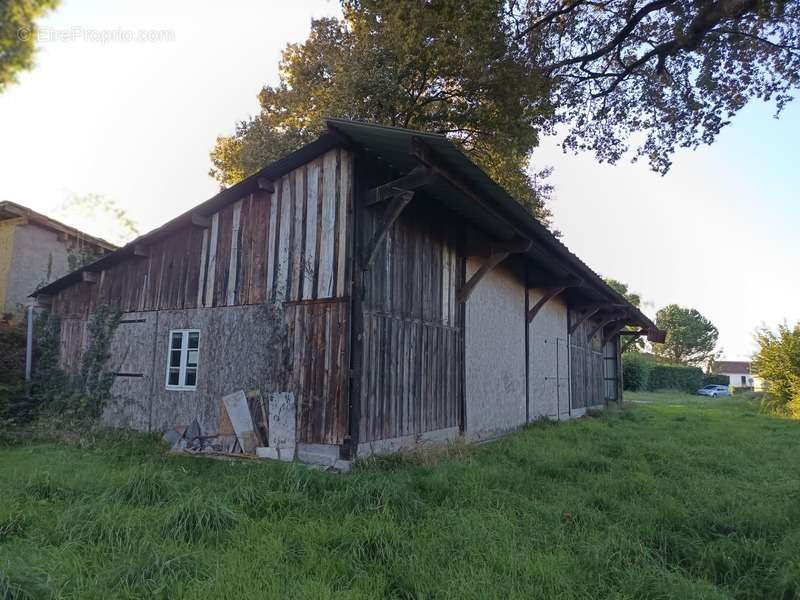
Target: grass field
[{"x": 678, "y": 497}]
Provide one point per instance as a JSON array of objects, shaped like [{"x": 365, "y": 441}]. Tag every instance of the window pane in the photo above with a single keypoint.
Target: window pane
[
  {"x": 176, "y": 340},
  {"x": 194, "y": 339},
  {"x": 175, "y": 358},
  {"x": 174, "y": 376},
  {"x": 191, "y": 377},
  {"x": 191, "y": 359}
]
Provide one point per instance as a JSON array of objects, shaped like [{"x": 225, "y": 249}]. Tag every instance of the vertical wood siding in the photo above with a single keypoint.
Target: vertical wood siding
[
  {"x": 290, "y": 245},
  {"x": 412, "y": 337},
  {"x": 587, "y": 371},
  {"x": 319, "y": 331}
]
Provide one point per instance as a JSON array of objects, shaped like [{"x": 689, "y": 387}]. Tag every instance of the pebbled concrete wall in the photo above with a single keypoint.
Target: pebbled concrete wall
[
  {"x": 231, "y": 359},
  {"x": 494, "y": 354},
  {"x": 548, "y": 359}
]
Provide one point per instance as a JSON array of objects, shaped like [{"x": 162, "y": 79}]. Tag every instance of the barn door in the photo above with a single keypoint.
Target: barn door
[{"x": 563, "y": 390}]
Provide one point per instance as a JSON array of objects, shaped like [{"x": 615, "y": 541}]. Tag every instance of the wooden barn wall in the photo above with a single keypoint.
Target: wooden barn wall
[
  {"x": 611, "y": 369},
  {"x": 587, "y": 369},
  {"x": 290, "y": 246},
  {"x": 548, "y": 358},
  {"x": 411, "y": 344},
  {"x": 320, "y": 375}
]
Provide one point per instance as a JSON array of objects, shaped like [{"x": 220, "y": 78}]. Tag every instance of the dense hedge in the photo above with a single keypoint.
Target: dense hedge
[
  {"x": 716, "y": 379},
  {"x": 636, "y": 371},
  {"x": 642, "y": 373}
]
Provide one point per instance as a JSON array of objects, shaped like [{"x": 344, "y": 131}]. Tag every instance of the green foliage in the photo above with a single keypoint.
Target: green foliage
[
  {"x": 18, "y": 36},
  {"x": 198, "y": 518},
  {"x": 675, "y": 377},
  {"x": 23, "y": 583},
  {"x": 716, "y": 379},
  {"x": 447, "y": 66},
  {"x": 678, "y": 497},
  {"x": 622, "y": 289},
  {"x": 81, "y": 397},
  {"x": 643, "y": 373},
  {"x": 147, "y": 486},
  {"x": 691, "y": 338},
  {"x": 95, "y": 379},
  {"x": 778, "y": 363},
  {"x": 636, "y": 371}
]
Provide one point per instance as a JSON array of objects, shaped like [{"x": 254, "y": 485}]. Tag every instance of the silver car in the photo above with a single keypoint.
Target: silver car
[{"x": 713, "y": 390}]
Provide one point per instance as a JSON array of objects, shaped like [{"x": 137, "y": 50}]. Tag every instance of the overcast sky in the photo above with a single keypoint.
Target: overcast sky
[{"x": 135, "y": 120}]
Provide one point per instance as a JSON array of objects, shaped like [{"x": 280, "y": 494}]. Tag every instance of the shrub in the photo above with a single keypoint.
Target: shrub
[
  {"x": 636, "y": 371},
  {"x": 778, "y": 362},
  {"x": 716, "y": 379},
  {"x": 675, "y": 377}
]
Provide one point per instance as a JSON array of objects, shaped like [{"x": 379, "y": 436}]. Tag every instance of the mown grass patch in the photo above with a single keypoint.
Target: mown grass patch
[{"x": 677, "y": 497}]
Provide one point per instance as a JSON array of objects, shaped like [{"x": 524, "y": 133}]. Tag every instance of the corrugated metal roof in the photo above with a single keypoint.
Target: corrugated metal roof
[
  {"x": 501, "y": 215},
  {"x": 491, "y": 208}
]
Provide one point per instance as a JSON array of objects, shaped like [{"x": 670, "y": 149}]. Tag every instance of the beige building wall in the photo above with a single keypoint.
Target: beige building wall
[
  {"x": 7, "y": 229},
  {"x": 548, "y": 356},
  {"x": 494, "y": 354}
]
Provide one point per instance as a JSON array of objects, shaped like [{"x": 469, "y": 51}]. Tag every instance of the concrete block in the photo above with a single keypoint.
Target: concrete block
[
  {"x": 282, "y": 420},
  {"x": 318, "y": 454},
  {"x": 266, "y": 452}
]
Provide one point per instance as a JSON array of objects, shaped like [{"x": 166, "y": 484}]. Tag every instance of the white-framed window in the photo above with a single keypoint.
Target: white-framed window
[{"x": 183, "y": 359}]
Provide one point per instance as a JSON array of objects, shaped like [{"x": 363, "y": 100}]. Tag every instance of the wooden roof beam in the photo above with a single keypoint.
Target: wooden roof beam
[
  {"x": 266, "y": 185},
  {"x": 88, "y": 277},
  {"x": 201, "y": 221},
  {"x": 614, "y": 332},
  {"x": 415, "y": 179},
  {"x": 391, "y": 213}
]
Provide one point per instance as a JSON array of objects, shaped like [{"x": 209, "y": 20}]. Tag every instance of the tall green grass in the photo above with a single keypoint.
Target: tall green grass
[{"x": 679, "y": 497}]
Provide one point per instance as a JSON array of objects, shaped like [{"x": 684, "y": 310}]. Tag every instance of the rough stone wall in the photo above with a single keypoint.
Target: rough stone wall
[
  {"x": 494, "y": 354},
  {"x": 38, "y": 257},
  {"x": 548, "y": 358}
]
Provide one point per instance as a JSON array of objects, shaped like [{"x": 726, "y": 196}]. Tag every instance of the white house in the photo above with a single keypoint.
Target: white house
[{"x": 738, "y": 372}]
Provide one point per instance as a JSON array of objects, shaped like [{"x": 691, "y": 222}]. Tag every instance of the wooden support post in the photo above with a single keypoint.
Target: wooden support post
[
  {"x": 88, "y": 277},
  {"x": 200, "y": 221},
  {"x": 390, "y": 215},
  {"x": 417, "y": 178},
  {"x": 549, "y": 295}
]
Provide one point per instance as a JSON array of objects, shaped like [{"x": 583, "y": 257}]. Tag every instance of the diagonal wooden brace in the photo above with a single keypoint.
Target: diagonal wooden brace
[
  {"x": 588, "y": 313},
  {"x": 390, "y": 215},
  {"x": 549, "y": 295},
  {"x": 607, "y": 321}
]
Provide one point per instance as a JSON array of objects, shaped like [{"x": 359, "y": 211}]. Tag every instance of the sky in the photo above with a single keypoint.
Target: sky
[{"x": 134, "y": 120}]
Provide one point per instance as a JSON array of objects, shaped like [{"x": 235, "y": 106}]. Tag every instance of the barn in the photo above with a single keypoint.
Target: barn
[{"x": 379, "y": 276}]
